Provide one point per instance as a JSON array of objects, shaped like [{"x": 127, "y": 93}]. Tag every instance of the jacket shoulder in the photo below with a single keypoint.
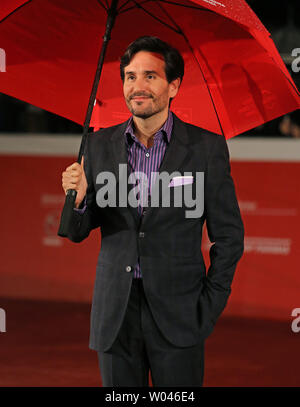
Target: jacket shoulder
[
  {"x": 108, "y": 130},
  {"x": 196, "y": 132},
  {"x": 203, "y": 139}
]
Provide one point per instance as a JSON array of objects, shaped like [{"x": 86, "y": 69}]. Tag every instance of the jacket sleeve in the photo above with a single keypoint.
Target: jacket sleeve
[
  {"x": 86, "y": 219},
  {"x": 225, "y": 231}
]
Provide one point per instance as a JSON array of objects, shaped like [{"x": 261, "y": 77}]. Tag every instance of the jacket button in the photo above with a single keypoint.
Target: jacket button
[
  {"x": 128, "y": 268},
  {"x": 141, "y": 234}
]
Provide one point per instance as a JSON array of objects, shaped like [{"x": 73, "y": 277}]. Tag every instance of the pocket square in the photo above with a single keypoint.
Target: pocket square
[{"x": 184, "y": 180}]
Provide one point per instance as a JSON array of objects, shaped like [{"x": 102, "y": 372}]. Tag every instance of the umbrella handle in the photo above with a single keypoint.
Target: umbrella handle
[{"x": 67, "y": 213}]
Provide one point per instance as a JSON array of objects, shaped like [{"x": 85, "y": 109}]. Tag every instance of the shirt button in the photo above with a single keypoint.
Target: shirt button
[
  {"x": 147, "y": 155},
  {"x": 141, "y": 234},
  {"x": 128, "y": 268}
]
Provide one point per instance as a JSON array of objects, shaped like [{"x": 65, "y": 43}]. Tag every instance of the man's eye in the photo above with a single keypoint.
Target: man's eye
[
  {"x": 150, "y": 76},
  {"x": 130, "y": 78}
]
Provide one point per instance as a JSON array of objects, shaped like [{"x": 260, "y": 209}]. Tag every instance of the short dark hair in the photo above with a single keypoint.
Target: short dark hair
[{"x": 174, "y": 63}]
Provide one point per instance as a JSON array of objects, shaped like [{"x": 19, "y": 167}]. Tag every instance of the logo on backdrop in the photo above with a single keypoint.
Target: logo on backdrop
[
  {"x": 2, "y": 60},
  {"x": 51, "y": 204}
]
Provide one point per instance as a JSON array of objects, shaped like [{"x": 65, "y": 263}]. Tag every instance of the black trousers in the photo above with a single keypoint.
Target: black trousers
[{"x": 140, "y": 347}]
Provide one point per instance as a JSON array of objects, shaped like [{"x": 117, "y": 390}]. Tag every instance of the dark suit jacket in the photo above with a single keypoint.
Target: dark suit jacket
[{"x": 185, "y": 300}]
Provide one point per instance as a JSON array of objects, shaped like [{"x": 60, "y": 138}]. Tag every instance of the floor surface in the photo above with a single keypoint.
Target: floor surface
[{"x": 46, "y": 344}]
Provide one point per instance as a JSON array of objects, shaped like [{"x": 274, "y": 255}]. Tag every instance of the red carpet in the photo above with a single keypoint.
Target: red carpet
[{"x": 46, "y": 344}]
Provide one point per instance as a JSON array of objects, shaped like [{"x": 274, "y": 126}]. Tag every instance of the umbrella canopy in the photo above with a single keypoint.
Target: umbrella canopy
[{"x": 234, "y": 77}]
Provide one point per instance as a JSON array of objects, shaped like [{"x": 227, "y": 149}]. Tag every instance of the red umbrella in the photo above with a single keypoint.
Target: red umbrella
[{"x": 234, "y": 78}]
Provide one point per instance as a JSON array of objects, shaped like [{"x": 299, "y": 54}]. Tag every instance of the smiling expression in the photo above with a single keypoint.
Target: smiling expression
[{"x": 146, "y": 88}]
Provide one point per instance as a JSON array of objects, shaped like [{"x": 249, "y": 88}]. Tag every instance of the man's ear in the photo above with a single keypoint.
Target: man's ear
[{"x": 174, "y": 87}]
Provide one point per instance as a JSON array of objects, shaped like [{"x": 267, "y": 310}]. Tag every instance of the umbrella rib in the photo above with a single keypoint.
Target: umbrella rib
[
  {"x": 123, "y": 5},
  {"x": 286, "y": 77},
  {"x": 16, "y": 9},
  {"x": 131, "y": 7},
  {"x": 186, "y": 5},
  {"x": 198, "y": 63},
  {"x": 153, "y": 16},
  {"x": 165, "y": 1},
  {"x": 102, "y": 5}
]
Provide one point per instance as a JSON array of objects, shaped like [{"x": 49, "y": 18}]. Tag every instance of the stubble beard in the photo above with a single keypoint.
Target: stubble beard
[{"x": 147, "y": 111}]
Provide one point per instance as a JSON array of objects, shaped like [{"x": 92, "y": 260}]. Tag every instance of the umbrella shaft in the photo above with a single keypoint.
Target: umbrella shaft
[{"x": 112, "y": 13}]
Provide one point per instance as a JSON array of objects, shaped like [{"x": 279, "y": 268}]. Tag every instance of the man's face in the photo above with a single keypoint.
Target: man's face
[{"x": 146, "y": 89}]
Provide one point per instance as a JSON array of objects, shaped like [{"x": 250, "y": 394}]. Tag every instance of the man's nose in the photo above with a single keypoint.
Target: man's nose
[{"x": 140, "y": 84}]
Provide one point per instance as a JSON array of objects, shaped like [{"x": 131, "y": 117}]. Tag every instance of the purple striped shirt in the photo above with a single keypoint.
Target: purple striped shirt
[
  {"x": 144, "y": 160},
  {"x": 147, "y": 160}
]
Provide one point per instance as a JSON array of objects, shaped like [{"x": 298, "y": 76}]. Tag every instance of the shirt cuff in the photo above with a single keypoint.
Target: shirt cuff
[{"x": 82, "y": 207}]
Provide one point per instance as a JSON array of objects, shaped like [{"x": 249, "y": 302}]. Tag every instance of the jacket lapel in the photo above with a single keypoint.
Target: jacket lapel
[
  {"x": 174, "y": 158},
  {"x": 120, "y": 156}
]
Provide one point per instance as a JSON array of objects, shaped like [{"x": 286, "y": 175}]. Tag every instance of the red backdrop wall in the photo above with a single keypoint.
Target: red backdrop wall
[{"x": 36, "y": 263}]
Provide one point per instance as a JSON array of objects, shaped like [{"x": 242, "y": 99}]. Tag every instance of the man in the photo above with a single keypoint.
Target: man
[{"x": 153, "y": 304}]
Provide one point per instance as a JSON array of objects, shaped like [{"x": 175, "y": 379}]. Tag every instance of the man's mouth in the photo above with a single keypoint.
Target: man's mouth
[
  {"x": 137, "y": 98},
  {"x": 140, "y": 98}
]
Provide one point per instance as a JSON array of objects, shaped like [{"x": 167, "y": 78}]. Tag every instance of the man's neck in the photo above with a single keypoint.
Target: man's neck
[{"x": 145, "y": 129}]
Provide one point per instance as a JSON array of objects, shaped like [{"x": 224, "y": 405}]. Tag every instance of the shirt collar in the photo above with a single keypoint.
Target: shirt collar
[{"x": 166, "y": 129}]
